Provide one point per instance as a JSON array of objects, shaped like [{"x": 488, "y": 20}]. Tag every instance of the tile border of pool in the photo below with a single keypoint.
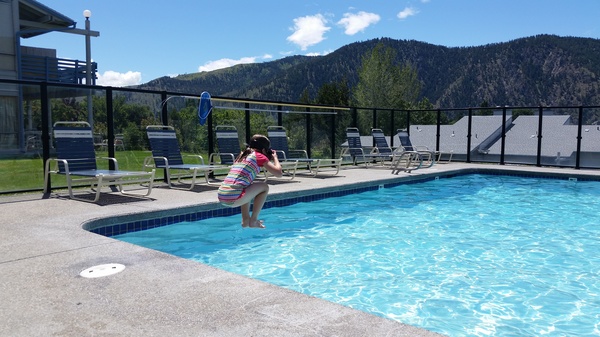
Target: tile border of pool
[{"x": 147, "y": 220}]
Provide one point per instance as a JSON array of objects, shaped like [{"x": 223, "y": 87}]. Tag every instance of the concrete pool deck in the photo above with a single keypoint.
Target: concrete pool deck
[{"x": 43, "y": 250}]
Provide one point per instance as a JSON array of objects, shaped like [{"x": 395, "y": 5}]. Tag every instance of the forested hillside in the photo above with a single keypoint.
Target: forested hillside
[{"x": 539, "y": 70}]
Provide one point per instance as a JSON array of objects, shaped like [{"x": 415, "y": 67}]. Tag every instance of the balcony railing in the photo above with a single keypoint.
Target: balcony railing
[{"x": 50, "y": 69}]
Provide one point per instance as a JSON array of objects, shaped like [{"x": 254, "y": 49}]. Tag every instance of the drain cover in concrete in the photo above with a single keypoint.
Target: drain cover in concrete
[{"x": 102, "y": 270}]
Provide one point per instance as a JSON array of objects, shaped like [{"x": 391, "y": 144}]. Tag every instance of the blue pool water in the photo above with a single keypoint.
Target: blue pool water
[{"x": 475, "y": 255}]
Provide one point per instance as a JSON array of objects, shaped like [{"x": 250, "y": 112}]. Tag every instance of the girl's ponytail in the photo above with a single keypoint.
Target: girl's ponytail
[
  {"x": 243, "y": 154},
  {"x": 260, "y": 143}
]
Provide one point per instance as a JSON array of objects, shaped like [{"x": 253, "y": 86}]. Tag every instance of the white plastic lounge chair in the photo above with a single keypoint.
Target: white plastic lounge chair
[
  {"x": 76, "y": 160},
  {"x": 166, "y": 155},
  {"x": 278, "y": 137}
]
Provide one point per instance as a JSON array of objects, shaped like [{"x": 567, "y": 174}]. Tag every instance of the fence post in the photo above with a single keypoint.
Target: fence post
[
  {"x": 503, "y": 137},
  {"x": 209, "y": 134},
  {"x": 374, "y": 118},
  {"x": 110, "y": 126},
  {"x": 279, "y": 116},
  {"x": 438, "y": 130},
  {"x": 392, "y": 128},
  {"x": 308, "y": 133},
  {"x": 164, "y": 113},
  {"x": 539, "y": 136},
  {"x": 332, "y": 136},
  {"x": 470, "y": 124},
  {"x": 579, "y": 126},
  {"x": 45, "y": 105},
  {"x": 248, "y": 131}
]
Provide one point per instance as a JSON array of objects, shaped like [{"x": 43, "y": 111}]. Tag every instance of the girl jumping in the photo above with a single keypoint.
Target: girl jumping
[{"x": 239, "y": 187}]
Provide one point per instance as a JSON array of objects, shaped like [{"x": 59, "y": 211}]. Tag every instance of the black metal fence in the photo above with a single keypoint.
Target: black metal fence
[{"x": 566, "y": 136}]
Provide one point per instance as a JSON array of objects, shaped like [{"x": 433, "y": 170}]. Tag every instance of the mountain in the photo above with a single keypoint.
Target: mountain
[{"x": 540, "y": 70}]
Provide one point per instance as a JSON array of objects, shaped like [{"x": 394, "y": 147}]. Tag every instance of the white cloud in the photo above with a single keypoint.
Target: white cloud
[
  {"x": 325, "y": 52},
  {"x": 354, "y": 23},
  {"x": 406, "y": 12},
  {"x": 226, "y": 63},
  {"x": 308, "y": 30},
  {"x": 115, "y": 79}
]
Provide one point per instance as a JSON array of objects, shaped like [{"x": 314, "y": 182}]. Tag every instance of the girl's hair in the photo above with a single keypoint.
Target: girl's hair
[{"x": 258, "y": 142}]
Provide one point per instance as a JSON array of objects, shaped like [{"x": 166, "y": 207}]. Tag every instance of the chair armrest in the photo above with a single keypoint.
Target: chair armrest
[
  {"x": 298, "y": 154},
  {"x": 150, "y": 162},
  {"x": 114, "y": 160},
  {"x": 211, "y": 158},
  {"x": 54, "y": 169},
  {"x": 281, "y": 155},
  {"x": 197, "y": 156},
  {"x": 362, "y": 150},
  {"x": 421, "y": 148}
]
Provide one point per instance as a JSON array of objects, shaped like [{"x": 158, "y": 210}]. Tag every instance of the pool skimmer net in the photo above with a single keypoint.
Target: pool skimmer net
[{"x": 102, "y": 270}]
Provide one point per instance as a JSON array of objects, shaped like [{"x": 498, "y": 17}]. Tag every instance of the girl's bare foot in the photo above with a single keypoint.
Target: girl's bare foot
[{"x": 257, "y": 224}]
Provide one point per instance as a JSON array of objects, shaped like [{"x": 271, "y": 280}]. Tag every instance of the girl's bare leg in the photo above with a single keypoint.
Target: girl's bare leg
[
  {"x": 245, "y": 214},
  {"x": 257, "y": 191}
]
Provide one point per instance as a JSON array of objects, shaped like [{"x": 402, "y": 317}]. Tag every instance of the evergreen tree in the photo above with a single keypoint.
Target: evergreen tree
[{"x": 384, "y": 84}]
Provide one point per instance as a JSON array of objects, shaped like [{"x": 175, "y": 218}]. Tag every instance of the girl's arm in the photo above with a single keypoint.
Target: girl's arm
[{"x": 274, "y": 167}]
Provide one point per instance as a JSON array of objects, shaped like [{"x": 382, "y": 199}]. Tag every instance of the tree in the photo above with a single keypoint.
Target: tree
[
  {"x": 337, "y": 94},
  {"x": 384, "y": 84}
]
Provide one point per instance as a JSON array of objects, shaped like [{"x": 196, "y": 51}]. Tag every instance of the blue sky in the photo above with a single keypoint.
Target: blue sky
[{"x": 143, "y": 40}]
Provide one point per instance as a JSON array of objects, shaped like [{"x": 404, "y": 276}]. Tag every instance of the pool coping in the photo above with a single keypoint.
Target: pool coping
[
  {"x": 44, "y": 249},
  {"x": 142, "y": 221}
]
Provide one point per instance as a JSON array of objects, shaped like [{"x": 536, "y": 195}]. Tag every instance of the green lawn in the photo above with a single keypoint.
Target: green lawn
[{"x": 28, "y": 173}]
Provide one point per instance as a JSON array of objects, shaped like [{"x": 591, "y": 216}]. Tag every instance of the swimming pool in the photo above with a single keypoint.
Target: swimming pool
[{"x": 470, "y": 255}]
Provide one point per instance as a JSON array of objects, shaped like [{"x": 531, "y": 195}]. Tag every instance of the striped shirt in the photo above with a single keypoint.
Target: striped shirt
[{"x": 240, "y": 176}]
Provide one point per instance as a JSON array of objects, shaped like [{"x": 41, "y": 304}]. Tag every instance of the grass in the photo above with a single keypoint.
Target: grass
[{"x": 25, "y": 174}]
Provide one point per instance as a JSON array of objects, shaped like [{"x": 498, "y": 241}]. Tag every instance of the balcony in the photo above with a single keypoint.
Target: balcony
[{"x": 56, "y": 70}]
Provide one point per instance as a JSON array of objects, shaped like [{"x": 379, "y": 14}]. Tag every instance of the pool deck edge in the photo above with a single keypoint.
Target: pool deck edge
[{"x": 44, "y": 248}]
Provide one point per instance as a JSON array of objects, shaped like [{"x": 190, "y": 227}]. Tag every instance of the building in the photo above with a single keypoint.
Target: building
[
  {"x": 19, "y": 20},
  {"x": 558, "y": 145}
]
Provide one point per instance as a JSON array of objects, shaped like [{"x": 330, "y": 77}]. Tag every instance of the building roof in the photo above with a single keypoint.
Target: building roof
[
  {"x": 453, "y": 137},
  {"x": 36, "y": 19},
  {"x": 559, "y": 135}
]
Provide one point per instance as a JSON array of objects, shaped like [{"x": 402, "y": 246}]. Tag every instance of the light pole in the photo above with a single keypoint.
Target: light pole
[{"x": 88, "y": 64}]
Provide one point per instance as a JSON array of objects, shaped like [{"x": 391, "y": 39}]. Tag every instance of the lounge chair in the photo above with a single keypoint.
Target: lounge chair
[
  {"x": 166, "y": 155},
  {"x": 278, "y": 137},
  {"x": 402, "y": 159},
  {"x": 381, "y": 145},
  {"x": 356, "y": 150},
  {"x": 228, "y": 143},
  {"x": 75, "y": 157},
  {"x": 229, "y": 148},
  {"x": 430, "y": 157}
]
